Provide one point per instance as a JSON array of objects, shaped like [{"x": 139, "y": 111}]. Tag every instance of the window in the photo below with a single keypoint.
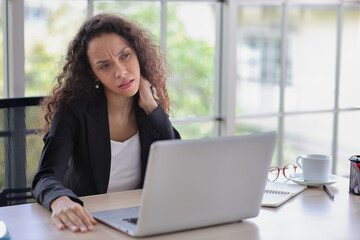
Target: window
[
  {"x": 258, "y": 59},
  {"x": 316, "y": 109},
  {"x": 144, "y": 13},
  {"x": 349, "y": 118},
  {"x": 258, "y": 68},
  {"x": 2, "y": 142},
  {"x": 56, "y": 22},
  {"x": 1, "y": 53},
  {"x": 292, "y": 66},
  {"x": 348, "y": 139},
  {"x": 185, "y": 38},
  {"x": 2, "y": 151},
  {"x": 191, "y": 59},
  {"x": 312, "y": 32},
  {"x": 350, "y": 57},
  {"x": 258, "y": 125},
  {"x": 307, "y": 133},
  {"x": 261, "y": 63}
]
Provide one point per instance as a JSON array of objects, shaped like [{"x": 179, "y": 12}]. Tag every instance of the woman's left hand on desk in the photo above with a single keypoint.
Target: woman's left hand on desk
[{"x": 70, "y": 214}]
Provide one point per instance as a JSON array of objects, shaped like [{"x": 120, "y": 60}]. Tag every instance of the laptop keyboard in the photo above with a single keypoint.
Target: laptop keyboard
[{"x": 131, "y": 220}]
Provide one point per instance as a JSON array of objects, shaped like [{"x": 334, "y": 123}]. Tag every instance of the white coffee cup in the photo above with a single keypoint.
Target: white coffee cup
[{"x": 315, "y": 167}]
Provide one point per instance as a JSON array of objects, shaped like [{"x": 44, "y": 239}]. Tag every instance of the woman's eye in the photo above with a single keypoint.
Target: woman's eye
[
  {"x": 125, "y": 55},
  {"x": 104, "y": 66}
]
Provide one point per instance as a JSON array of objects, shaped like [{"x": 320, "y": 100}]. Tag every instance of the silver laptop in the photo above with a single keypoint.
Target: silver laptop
[{"x": 197, "y": 183}]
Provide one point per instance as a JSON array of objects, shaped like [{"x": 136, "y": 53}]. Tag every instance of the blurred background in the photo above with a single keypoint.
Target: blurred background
[{"x": 235, "y": 67}]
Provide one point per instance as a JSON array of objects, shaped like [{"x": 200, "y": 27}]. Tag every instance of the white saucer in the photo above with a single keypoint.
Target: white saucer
[{"x": 298, "y": 178}]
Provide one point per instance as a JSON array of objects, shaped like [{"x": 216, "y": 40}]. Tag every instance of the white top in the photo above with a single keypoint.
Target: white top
[{"x": 125, "y": 172}]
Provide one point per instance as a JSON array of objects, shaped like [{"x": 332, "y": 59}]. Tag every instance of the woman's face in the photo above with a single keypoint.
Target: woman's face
[{"x": 115, "y": 64}]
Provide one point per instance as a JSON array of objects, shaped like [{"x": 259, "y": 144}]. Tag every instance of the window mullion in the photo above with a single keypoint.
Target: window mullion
[
  {"x": 228, "y": 74},
  {"x": 337, "y": 85},
  {"x": 281, "y": 127},
  {"x": 14, "y": 59},
  {"x": 218, "y": 69},
  {"x": 90, "y": 8},
  {"x": 163, "y": 25}
]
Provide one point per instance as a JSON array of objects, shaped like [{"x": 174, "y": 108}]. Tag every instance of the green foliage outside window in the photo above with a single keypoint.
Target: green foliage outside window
[
  {"x": 190, "y": 61},
  {"x": 145, "y": 14},
  {"x": 192, "y": 72},
  {"x": 43, "y": 57},
  {"x": 191, "y": 84},
  {"x": 190, "y": 64}
]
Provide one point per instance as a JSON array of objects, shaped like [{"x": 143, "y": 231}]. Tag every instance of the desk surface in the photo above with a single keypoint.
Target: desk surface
[{"x": 310, "y": 215}]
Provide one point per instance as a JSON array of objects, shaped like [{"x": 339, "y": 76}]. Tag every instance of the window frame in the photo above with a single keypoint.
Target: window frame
[
  {"x": 224, "y": 116},
  {"x": 282, "y": 113}
]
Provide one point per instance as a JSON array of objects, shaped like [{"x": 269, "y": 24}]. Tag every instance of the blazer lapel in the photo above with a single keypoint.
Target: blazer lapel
[{"x": 99, "y": 142}]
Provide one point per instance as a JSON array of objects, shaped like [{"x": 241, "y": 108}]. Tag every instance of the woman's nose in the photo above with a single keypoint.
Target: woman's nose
[{"x": 120, "y": 71}]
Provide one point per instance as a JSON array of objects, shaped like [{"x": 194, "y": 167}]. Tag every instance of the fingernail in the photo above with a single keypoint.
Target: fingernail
[
  {"x": 90, "y": 227},
  {"x": 73, "y": 228},
  {"x": 83, "y": 229}
]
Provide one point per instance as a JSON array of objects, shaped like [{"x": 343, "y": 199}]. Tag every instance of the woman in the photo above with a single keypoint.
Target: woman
[{"x": 109, "y": 105}]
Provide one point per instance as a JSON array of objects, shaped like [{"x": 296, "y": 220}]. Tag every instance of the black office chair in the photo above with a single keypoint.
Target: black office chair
[{"x": 20, "y": 148}]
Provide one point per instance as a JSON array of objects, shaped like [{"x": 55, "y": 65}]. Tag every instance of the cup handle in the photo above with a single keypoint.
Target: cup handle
[{"x": 297, "y": 161}]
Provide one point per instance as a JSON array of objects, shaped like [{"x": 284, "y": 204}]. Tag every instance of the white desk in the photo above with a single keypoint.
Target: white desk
[{"x": 310, "y": 215}]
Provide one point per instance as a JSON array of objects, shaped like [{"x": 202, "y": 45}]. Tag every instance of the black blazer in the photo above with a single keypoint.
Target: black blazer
[{"x": 76, "y": 157}]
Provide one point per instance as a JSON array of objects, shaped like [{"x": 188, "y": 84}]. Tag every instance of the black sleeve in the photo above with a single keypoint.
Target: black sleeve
[
  {"x": 158, "y": 125},
  {"x": 47, "y": 184}
]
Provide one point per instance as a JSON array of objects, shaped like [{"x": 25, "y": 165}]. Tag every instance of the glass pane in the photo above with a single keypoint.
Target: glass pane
[
  {"x": 2, "y": 163},
  {"x": 195, "y": 130},
  {"x": 312, "y": 53},
  {"x": 2, "y": 151},
  {"x": 34, "y": 146},
  {"x": 258, "y": 59},
  {"x": 249, "y": 126},
  {"x": 350, "y": 71},
  {"x": 144, "y": 13},
  {"x": 348, "y": 140},
  {"x": 34, "y": 117},
  {"x": 49, "y": 27},
  {"x": 1, "y": 54},
  {"x": 307, "y": 134},
  {"x": 12, "y": 144},
  {"x": 191, "y": 58}
]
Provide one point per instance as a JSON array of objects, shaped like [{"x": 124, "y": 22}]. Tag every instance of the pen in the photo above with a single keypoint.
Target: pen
[{"x": 328, "y": 192}]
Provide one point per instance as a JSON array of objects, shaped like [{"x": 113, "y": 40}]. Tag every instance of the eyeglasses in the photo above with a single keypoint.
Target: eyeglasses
[{"x": 275, "y": 171}]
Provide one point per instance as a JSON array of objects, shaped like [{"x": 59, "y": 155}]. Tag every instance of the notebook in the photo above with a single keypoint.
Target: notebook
[
  {"x": 196, "y": 183},
  {"x": 277, "y": 193}
]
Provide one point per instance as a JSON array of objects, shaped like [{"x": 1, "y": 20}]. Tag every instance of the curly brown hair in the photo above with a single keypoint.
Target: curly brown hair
[{"x": 76, "y": 81}]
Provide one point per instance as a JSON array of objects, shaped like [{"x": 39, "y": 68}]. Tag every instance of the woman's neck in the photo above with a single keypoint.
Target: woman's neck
[
  {"x": 122, "y": 120},
  {"x": 119, "y": 105}
]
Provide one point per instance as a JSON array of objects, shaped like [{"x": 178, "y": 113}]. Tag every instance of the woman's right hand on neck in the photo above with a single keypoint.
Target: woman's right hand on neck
[{"x": 69, "y": 214}]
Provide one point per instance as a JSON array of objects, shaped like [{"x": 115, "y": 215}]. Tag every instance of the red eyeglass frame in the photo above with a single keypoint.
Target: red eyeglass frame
[{"x": 283, "y": 171}]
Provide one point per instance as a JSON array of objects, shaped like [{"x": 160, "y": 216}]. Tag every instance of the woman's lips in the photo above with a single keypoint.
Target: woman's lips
[{"x": 127, "y": 84}]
